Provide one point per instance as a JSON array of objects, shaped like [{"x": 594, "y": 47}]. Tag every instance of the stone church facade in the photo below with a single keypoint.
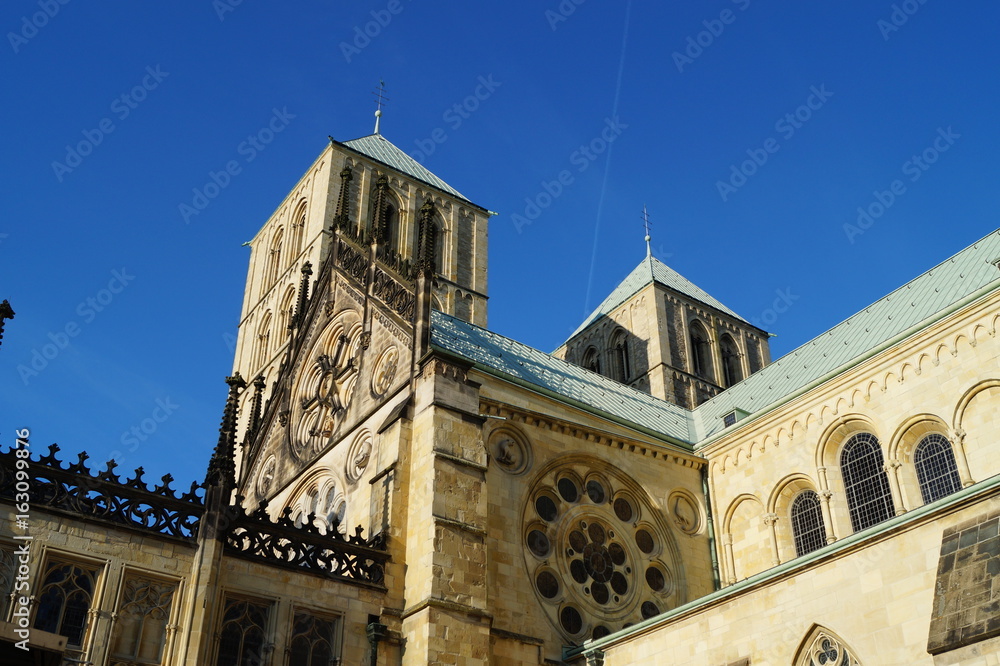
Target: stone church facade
[{"x": 393, "y": 483}]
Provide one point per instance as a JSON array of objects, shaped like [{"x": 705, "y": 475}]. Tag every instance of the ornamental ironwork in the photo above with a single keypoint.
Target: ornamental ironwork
[
  {"x": 306, "y": 547},
  {"x": 402, "y": 301},
  {"x": 352, "y": 260},
  {"x": 105, "y": 497}
]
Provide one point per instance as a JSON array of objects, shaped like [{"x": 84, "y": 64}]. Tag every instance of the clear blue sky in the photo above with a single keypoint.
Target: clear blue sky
[{"x": 698, "y": 89}]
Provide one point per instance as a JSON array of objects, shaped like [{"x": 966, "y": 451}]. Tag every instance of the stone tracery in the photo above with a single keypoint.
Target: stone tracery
[{"x": 598, "y": 554}]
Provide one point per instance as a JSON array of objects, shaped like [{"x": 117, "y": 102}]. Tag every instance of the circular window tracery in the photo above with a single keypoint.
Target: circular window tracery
[{"x": 601, "y": 558}]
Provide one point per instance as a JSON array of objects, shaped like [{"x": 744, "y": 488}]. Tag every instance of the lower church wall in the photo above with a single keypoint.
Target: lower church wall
[{"x": 875, "y": 594}]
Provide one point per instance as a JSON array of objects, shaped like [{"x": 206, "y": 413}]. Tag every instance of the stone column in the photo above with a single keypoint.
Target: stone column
[
  {"x": 727, "y": 544},
  {"x": 961, "y": 460},
  {"x": 770, "y": 519},
  {"x": 825, "y": 496},
  {"x": 891, "y": 468}
]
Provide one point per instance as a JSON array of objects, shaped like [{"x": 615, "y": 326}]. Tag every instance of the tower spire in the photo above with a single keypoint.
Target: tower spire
[
  {"x": 379, "y": 99},
  {"x": 645, "y": 222}
]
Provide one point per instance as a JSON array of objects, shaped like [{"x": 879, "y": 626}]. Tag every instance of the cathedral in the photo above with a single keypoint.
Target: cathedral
[{"x": 393, "y": 483}]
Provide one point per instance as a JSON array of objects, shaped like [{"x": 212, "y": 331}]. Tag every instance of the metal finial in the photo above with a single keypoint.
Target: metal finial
[
  {"x": 380, "y": 98},
  {"x": 645, "y": 221}
]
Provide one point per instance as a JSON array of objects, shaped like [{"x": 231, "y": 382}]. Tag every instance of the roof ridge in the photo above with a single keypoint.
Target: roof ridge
[
  {"x": 380, "y": 149},
  {"x": 603, "y": 378}
]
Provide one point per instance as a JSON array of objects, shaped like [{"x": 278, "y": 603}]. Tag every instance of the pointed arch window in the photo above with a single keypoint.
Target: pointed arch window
[
  {"x": 263, "y": 339},
  {"x": 937, "y": 473},
  {"x": 274, "y": 264},
  {"x": 732, "y": 366},
  {"x": 620, "y": 361},
  {"x": 867, "y": 485},
  {"x": 701, "y": 351},
  {"x": 823, "y": 648},
  {"x": 287, "y": 311},
  {"x": 64, "y": 600},
  {"x": 141, "y": 625},
  {"x": 808, "y": 529},
  {"x": 314, "y": 640},
  {"x": 298, "y": 230},
  {"x": 592, "y": 360},
  {"x": 243, "y": 636},
  {"x": 438, "y": 247}
]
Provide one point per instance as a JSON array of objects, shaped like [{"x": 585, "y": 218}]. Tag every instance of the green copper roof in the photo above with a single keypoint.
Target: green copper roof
[
  {"x": 648, "y": 271},
  {"x": 503, "y": 356},
  {"x": 380, "y": 149},
  {"x": 919, "y": 301},
  {"x": 970, "y": 274}
]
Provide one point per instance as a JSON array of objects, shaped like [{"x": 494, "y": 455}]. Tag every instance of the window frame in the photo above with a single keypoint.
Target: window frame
[
  {"x": 267, "y": 643},
  {"x": 879, "y": 505},
  {"x": 172, "y": 615},
  {"x": 949, "y": 476},
  {"x": 799, "y": 539}
]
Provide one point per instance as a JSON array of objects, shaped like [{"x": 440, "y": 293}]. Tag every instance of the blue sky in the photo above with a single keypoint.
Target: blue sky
[{"x": 753, "y": 132}]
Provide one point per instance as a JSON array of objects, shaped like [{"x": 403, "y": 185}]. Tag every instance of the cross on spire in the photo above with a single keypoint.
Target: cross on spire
[
  {"x": 380, "y": 98},
  {"x": 646, "y": 224}
]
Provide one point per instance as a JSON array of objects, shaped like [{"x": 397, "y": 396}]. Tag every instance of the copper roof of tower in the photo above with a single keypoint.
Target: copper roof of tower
[
  {"x": 650, "y": 270},
  {"x": 380, "y": 149}
]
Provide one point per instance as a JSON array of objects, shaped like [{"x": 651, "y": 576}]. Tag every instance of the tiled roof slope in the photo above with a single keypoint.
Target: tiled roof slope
[
  {"x": 379, "y": 148},
  {"x": 494, "y": 352},
  {"x": 921, "y": 299},
  {"x": 651, "y": 270}
]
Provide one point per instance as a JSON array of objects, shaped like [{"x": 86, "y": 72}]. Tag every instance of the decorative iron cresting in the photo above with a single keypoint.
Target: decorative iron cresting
[
  {"x": 306, "y": 547},
  {"x": 395, "y": 295},
  {"x": 352, "y": 260},
  {"x": 105, "y": 497}
]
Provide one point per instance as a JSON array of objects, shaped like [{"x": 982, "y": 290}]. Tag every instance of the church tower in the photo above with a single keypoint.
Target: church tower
[{"x": 662, "y": 334}]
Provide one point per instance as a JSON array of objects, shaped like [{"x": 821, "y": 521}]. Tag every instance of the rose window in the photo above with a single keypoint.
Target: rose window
[{"x": 599, "y": 556}]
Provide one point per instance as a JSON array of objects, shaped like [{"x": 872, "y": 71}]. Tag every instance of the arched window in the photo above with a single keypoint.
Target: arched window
[
  {"x": 868, "y": 494},
  {"x": 822, "y": 647},
  {"x": 263, "y": 339},
  {"x": 438, "y": 246},
  {"x": 313, "y": 640},
  {"x": 298, "y": 231},
  {"x": 934, "y": 460},
  {"x": 64, "y": 600},
  {"x": 621, "y": 364},
  {"x": 592, "y": 360},
  {"x": 732, "y": 366},
  {"x": 287, "y": 311},
  {"x": 807, "y": 523},
  {"x": 274, "y": 265},
  {"x": 243, "y": 634},
  {"x": 701, "y": 351},
  {"x": 141, "y": 627}
]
